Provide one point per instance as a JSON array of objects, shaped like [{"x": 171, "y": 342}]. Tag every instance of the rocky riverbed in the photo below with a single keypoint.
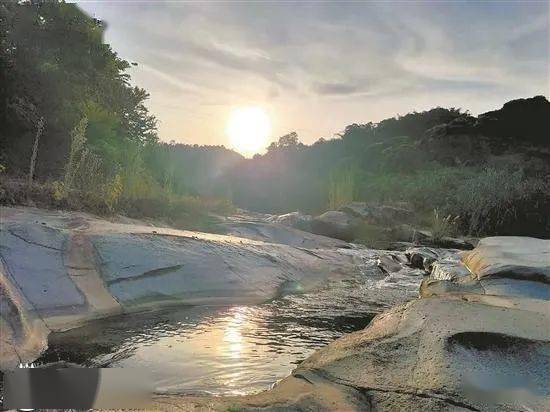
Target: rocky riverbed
[
  {"x": 477, "y": 339},
  {"x": 62, "y": 269}
]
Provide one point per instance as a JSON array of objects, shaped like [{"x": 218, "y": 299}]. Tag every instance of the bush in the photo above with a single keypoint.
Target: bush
[
  {"x": 503, "y": 202},
  {"x": 443, "y": 226},
  {"x": 425, "y": 190},
  {"x": 341, "y": 187}
]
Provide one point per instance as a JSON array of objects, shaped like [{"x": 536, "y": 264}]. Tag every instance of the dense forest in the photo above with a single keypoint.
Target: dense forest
[
  {"x": 74, "y": 132},
  {"x": 75, "y": 128}
]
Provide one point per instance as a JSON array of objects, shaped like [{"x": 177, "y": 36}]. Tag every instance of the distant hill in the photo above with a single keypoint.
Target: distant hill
[{"x": 424, "y": 158}]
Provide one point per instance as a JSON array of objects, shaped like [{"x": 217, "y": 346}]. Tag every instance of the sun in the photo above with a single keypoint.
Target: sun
[{"x": 248, "y": 129}]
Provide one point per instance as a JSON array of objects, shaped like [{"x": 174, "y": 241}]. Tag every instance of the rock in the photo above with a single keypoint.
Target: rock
[
  {"x": 511, "y": 257},
  {"x": 277, "y": 233},
  {"x": 75, "y": 268},
  {"x": 335, "y": 224},
  {"x": 378, "y": 214},
  {"x": 441, "y": 270},
  {"x": 297, "y": 220},
  {"x": 507, "y": 266},
  {"x": 420, "y": 257},
  {"x": 22, "y": 334},
  {"x": 466, "y": 351},
  {"x": 357, "y": 209},
  {"x": 390, "y": 263},
  {"x": 432, "y": 287}
]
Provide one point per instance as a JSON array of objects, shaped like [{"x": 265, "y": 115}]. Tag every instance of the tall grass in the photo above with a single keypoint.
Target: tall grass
[
  {"x": 494, "y": 201},
  {"x": 341, "y": 187},
  {"x": 126, "y": 188}
]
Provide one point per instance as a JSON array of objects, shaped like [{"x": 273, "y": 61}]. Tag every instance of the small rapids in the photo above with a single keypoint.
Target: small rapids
[{"x": 237, "y": 349}]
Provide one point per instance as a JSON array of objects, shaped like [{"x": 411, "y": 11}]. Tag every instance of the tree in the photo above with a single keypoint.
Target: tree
[
  {"x": 289, "y": 140},
  {"x": 52, "y": 55}
]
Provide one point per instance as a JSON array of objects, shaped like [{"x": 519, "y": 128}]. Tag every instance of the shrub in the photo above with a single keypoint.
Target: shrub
[
  {"x": 443, "y": 226},
  {"x": 503, "y": 202},
  {"x": 341, "y": 187},
  {"x": 426, "y": 190}
]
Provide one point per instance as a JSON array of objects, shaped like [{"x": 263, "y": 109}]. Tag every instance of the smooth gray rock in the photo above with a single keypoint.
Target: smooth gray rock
[
  {"x": 378, "y": 214},
  {"x": 515, "y": 287},
  {"x": 464, "y": 351},
  {"x": 33, "y": 256},
  {"x": 62, "y": 269},
  {"x": 335, "y": 224},
  {"x": 278, "y": 233},
  {"x": 293, "y": 219},
  {"x": 504, "y": 266},
  {"x": 140, "y": 268},
  {"x": 510, "y": 257}
]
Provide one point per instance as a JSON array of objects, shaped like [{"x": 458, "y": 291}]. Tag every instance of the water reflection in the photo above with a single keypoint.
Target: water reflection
[
  {"x": 233, "y": 350},
  {"x": 232, "y": 334}
]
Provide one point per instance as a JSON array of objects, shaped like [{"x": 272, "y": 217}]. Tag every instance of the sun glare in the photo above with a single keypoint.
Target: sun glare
[{"x": 248, "y": 129}]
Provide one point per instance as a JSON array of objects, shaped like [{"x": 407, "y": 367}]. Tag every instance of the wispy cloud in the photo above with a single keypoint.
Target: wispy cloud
[{"x": 304, "y": 60}]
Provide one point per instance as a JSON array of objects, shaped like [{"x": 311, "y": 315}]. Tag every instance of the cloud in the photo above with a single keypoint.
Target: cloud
[
  {"x": 304, "y": 59},
  {"x": 335, "y": 88}
]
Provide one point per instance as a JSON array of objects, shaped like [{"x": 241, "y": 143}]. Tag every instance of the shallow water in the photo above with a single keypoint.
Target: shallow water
[{"x": 238, "y": 349}]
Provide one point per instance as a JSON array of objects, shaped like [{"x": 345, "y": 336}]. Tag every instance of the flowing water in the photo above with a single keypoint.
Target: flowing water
[{"x": 238, "y": 349}]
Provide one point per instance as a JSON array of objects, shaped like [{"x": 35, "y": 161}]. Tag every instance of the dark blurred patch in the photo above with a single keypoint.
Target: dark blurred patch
[{"x": 76, "y": 388}]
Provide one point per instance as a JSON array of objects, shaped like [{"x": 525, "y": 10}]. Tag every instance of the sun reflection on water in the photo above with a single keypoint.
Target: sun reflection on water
[{"x": 232, "y": 336}]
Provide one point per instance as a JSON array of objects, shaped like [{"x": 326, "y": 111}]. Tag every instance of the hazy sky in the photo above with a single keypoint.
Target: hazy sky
[{"x": 316, "y": 67}]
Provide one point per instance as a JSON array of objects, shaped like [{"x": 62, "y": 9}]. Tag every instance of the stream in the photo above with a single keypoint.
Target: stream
[{"x": 239, "y": 349}]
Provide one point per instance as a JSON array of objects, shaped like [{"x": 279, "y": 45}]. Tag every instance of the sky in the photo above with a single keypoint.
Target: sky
[{"x": 316, "y": 67}]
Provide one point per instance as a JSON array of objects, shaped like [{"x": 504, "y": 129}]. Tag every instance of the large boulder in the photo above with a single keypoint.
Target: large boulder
[
  {"x": 514, "y": 257},
  {"x": 297, "y": 220},
  {"x": 61, "y": 269},
  {"x": 336, "y": 224},
  {"x": 465, "y": 351},
  {"x": 378, "y": 214},
  {"x": 507, "y": 266}
]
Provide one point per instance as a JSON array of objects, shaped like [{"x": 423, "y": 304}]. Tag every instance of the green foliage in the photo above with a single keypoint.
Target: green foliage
[
  {"x": 77, "y": 154},
  {"x": 341, "y": 187},
  {"x": 100, "y": 145},
  {"x": 423, "y": 189},
  {"x": 503, "y": 201},
  {"x": 53, "y": 58},
  {"x": 112, "y": 192},
  {"x": 443, "y": 226}
]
